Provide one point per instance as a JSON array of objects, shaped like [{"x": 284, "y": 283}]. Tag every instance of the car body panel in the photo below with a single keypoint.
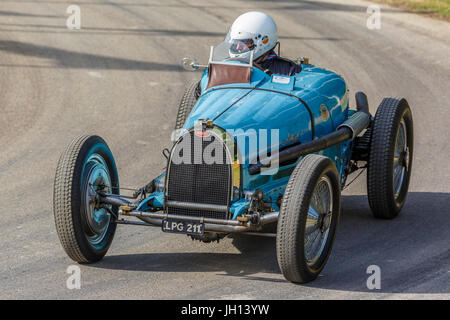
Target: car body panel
[{"x": 303, "y": 107}]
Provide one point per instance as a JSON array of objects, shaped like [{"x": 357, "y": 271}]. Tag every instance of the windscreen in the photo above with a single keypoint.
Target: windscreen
[{"x": 236, "y": 50}]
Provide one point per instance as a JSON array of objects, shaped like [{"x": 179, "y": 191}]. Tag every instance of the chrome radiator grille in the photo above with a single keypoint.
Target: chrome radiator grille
[{"x": 195, "y": 180}]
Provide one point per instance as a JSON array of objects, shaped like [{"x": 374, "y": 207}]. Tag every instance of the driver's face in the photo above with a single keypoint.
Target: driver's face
[{"x": 244, "y": 45}]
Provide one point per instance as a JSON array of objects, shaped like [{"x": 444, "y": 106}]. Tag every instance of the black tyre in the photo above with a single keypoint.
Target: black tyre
[
  {"x": 308, "y": 218},
  {"x": 390, "y": 158},
  {"x": 84, "y": 228},
  {"x": 187, "y": 102}
]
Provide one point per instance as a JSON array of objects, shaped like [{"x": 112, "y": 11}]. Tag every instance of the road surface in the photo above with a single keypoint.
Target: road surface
[{"x": 120, "y": 77}]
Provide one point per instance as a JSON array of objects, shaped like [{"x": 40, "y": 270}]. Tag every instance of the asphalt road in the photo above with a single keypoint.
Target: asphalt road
[{"x": 120, "y": 77}]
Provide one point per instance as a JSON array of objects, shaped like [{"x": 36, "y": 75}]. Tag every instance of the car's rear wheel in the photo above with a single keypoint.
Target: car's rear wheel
[
  {"x": 308, "y": 219},
  {"x": 390, "y": 158},
  {"x": 187, "y": 102},
  {"x": 85, "y": 228}
]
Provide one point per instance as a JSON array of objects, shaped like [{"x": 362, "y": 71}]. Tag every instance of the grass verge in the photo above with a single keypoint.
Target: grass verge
[{"x": 434, "y": 8}]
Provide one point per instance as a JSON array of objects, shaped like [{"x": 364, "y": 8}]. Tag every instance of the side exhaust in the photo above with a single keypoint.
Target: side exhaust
[{"x": 353, "y": 126}]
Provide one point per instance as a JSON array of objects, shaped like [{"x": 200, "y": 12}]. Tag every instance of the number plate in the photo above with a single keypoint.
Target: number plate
[{"x": 186, "y": 227}]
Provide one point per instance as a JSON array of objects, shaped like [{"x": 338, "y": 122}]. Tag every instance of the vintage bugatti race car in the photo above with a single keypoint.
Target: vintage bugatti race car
[{"x": 254, "y": 153}]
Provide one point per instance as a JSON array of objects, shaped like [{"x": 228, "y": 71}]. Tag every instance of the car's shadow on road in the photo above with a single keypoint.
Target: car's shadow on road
[
  {"x": 411, "y": 250},
  {"x": 257, "y": 255}
]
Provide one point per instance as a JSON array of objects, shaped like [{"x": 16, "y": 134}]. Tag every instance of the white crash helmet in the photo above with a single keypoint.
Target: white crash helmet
[{"x": 252, "y": 31}]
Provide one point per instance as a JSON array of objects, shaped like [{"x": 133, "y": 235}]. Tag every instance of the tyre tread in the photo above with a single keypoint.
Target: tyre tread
[
  {"x": 187, "y": 102},
  {"x": 62, "y": 199},
  {"x": 296, "y": 197},
  {"x": 384, "y": 130}
]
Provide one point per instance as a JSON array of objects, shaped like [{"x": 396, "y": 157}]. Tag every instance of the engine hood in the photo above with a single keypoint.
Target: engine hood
[
  {"x": 294, "y": 106},
  {"x": 252, "y": 111}
]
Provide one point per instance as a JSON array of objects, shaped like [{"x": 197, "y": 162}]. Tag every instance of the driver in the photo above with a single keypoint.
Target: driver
[{"x": 258, "y": 32}]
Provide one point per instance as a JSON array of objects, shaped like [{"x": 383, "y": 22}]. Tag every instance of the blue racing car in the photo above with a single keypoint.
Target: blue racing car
[{"x": 254, "y": 152}]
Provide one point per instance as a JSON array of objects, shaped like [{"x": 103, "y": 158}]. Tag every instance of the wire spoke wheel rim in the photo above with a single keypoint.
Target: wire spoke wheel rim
[
  {"x": 318, "y": 222},
  {"x": 401, "y": 159},
  {"x": 97, "y": 219}
]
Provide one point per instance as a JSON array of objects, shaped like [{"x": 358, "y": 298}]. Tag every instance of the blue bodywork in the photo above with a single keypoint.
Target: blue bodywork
[{"x": 303, "y": 107}]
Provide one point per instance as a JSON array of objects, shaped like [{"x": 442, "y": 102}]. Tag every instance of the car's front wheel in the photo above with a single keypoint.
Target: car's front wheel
[
  {"x": 84, "y": 227},
  {"x": 308, "y": 218}
]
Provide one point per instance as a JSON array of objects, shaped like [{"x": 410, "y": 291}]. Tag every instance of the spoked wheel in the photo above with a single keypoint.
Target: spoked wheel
[
  {"x": 95, "y": 219},
  {"x": 401, "y": 158},
  {"x": 85, "y": 227},
  {"x": 318, "y": 222},
  {"x": 308, "y": 219},
  {"x": 390, "y": 158}
]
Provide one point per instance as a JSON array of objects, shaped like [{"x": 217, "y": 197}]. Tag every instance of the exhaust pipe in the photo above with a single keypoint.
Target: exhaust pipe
[
  {"x": 356, "y": 123},
  {"x": 361, "y": 102},
  {"x": 353, "y": 126}
]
